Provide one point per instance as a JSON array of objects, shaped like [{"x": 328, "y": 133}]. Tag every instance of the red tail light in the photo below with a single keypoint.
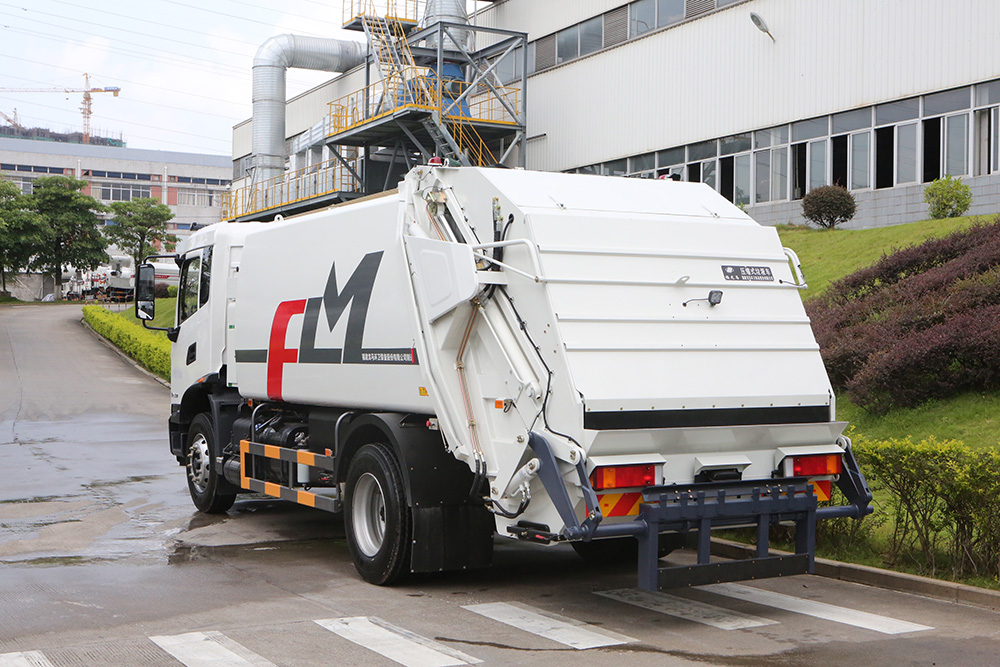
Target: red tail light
[
  {"x": 621, "y": 477},
  {"x": 814, "y": 466}
]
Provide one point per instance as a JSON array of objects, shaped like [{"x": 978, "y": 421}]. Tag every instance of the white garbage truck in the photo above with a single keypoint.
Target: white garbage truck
[{"x": 619, "y": 364}]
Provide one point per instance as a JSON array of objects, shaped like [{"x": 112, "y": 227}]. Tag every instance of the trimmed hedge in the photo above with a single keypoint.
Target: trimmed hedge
[
  {"x": 921, "y": 323},
  {"x": 941, "y": 500},
  {"x": 150, "y": 349}
]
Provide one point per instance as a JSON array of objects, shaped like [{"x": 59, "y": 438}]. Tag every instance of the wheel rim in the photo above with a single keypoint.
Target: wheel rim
[
  {"x": 368, "y": 515},
  {"x": 198, "y": 463}
]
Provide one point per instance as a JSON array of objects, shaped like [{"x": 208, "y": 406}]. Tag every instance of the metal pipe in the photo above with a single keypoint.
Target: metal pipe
[{"x": 273, "y": 58}]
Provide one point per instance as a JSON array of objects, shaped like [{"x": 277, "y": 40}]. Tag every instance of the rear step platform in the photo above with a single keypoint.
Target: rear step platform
[{"x": 685, "y": 509}]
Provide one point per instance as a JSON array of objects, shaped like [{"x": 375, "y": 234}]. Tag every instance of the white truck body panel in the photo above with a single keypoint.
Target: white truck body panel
[{"x": 595, "y": 331}]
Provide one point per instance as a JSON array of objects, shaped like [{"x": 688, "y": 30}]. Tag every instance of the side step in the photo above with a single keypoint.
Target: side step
[
  {"x": 252, "y": 452},
  {"x": 728, "y": 504}
]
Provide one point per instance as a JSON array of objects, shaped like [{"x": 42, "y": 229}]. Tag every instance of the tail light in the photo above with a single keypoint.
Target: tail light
[
  {"x": 816, "y": 466},
  {"x": 621, "y": 477}
]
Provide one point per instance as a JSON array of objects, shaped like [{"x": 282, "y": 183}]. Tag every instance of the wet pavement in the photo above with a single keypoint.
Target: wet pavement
[{"x": 103, "y": 561}]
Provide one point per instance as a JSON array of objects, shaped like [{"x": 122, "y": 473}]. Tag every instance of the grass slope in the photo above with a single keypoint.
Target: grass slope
[{"x": 829, "y": 255}]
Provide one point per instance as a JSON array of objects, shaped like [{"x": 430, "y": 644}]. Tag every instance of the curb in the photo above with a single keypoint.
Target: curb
[
  {"x": 124, "y": 356},
  {"x": 873, "y": 576}
]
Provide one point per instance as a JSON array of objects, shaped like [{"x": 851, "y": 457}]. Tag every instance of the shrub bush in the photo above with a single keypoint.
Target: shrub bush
[
  {"x": 161, "y": 291},
  {"x": 947, "y": 197},
  {"x": 149, "y": 348},
  {"x": 921, "y": 323},
  {"x": 942, "y": 500},
  {"x": 829, "y": 206},
  {"x": 171, "y": 291}
]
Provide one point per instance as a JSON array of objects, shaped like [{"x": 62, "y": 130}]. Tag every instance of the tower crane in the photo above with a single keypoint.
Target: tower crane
[
  {"x": 12, "y": 120},
  {"x": 86, "y": 107}
]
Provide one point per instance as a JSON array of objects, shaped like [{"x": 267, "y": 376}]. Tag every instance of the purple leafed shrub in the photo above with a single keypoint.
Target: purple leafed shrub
[{"x": 921, "y": 323}]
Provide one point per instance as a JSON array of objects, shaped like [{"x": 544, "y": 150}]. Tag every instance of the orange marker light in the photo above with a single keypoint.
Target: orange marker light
[{"x": 622, "y": 477}]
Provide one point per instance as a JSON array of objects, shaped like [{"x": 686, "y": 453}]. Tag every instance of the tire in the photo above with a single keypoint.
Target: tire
[
  {"x": 621, "y": 549},
  {"x": 376, "y": 516},
  {"x": 203, "y": 480}
]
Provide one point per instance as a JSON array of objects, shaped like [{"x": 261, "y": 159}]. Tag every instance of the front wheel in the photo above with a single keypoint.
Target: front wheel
[
  {"x": 376, "y": 516},
  {"x": 203, "y": 479}
]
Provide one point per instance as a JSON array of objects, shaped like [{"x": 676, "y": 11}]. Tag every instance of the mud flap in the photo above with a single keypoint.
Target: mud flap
[{"x": 451, "y": 537}]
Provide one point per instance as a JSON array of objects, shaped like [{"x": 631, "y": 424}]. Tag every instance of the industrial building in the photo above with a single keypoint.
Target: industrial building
[
  {"x": 763, "y": 100},
  {"x": 191, "y": 184}
]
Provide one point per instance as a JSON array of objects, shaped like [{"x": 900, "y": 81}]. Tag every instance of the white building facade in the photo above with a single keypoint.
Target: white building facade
[
  {"x": 191, "y": 184},
  {"x": 880, "y": 96}
]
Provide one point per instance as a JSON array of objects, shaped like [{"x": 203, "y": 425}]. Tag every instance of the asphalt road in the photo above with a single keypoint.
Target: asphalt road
[{"x": 103, "y": 561}]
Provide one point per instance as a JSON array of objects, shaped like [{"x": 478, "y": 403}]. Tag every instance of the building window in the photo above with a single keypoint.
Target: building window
[
  {"x": 616, "y": 167},
  {"x": 762, "y": 167},
  {"x": 591, "y": 36},
  {"x": 641, "y": 17},
  {"x": 956, "y": 145},
  {"x": 568, "y": 44},
  {"x": 669, "y": 11},
  {"x": 860, "y": 160},
  {"x": 186, "y": 197},
  {"x": 896, "y": 112},
  {"x": 121, "y": 191},
  {"x": 779, "y": 173},
  {"x": 906, "y": 153},
  {"x": 643, "y": 165}
]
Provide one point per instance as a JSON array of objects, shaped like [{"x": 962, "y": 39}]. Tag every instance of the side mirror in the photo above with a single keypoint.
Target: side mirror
[{"x": 145, "y": 298}]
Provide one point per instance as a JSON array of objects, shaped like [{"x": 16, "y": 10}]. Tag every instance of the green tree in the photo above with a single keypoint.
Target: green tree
[
  {"x": 21, "y": 231},
  {"x": 73, "y": 231},
  {"x": 138, "y": 225}
]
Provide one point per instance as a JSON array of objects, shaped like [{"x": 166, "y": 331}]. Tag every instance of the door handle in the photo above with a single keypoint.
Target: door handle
[{"x": 192, "y": 353}]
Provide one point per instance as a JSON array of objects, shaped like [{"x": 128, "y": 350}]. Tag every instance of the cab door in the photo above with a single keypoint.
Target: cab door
[{"x": 192, "y": 356}]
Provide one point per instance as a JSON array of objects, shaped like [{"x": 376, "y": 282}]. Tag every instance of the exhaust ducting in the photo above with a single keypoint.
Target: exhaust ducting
[
  {"x": 449, "y": 11},
  {"x": 279, "y": 53},
  {"x": 273, "y": 58}
]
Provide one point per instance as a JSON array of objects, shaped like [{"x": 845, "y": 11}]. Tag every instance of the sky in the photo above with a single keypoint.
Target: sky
[{"x": 183, "y": 66}]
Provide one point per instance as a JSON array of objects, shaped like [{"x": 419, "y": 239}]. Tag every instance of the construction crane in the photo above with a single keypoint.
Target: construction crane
[
  {"x": 14, "y": 122},
  {"x": 86, "y": 107}
]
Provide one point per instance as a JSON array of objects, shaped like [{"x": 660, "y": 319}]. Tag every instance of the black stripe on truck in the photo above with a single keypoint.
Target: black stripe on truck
[
  {"x": 251, "y": 356},
  {"x": 643, "y": 419}
]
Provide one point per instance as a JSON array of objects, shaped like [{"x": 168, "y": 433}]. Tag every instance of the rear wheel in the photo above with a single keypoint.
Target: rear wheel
[
  {"x": 203, "y": 480},
  {"x": 376, "y": 516}
]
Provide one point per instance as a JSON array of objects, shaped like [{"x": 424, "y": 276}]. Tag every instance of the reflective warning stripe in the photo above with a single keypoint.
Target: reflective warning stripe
[
  {"x": 821, "y": 488},
  {"x": 319, "y": 501},
  {"x": 620, "y": 504},
  {"x": 287, "y": 454}
]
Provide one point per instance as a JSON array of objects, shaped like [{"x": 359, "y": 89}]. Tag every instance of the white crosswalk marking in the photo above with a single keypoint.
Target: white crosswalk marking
[
  {"x": 395, "y": 643},
  {"x": 568, "y": 631},
  {"x": 209, "y": 649},
  {"x": 26, "y": 659},
  {"x": 829, "y": 612},
  {"x": 689, "y": 610}
]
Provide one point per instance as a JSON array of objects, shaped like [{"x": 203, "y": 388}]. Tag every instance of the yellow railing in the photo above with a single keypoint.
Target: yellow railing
[
  {"x": 417, "y": 90},
  {"x": 406, "y": 11},
  {"x": 414, "y": 90},
  {"x": 483, "y": 104},
  {"x": 306, "y": 183},
  {"x": 471, "y": 143}
]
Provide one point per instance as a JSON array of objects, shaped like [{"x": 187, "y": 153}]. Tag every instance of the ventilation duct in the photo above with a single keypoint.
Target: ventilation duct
[
  {"x": 279, "y": 53},
  {"x": 449, "y": 11},
  {"x": 273, "y": 58}
]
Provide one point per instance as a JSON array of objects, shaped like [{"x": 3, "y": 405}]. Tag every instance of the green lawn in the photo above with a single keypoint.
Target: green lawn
[
  {"x": 973, "y": 418},
  {"x": 827, "y": 255}
]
